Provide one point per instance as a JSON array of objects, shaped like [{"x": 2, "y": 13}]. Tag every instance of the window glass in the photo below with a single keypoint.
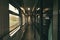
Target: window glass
[
  {"x": 12, "y": 8},
  {"x": 13, "y": 21}
]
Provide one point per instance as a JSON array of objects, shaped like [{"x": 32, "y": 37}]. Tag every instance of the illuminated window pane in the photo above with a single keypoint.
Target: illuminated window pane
[
  {"x": 11, "y": 8},
  {"x": 13, "y": 21}
]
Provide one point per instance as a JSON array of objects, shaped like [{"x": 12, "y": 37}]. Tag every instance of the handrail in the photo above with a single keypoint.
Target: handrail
[{"x": 14, "y": 25}]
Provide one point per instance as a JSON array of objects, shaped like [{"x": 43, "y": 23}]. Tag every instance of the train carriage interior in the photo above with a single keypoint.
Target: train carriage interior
[{"x": 29, "y": 20}]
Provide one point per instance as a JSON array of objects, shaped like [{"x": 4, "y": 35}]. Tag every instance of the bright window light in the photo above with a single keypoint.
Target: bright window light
[
  {"x": 45, "y": 10},
  {"x": 13, "y": 21},
  {"x": 11, "y": 8}
]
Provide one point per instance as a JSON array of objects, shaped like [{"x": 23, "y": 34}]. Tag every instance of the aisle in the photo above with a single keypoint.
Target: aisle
[{"x": 29, "y": 34}]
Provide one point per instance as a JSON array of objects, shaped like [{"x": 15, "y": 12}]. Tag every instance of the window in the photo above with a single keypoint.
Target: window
[
  {"x": 11, "y": 8},
  {"x": 14, "y": 23}
]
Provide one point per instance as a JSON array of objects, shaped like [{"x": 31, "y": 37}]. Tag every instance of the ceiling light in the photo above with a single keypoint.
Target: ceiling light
[
  {"x": 28, "y": 8},
  {"x": 45, "y": 10},
  {"x": 38, "y": 8}
]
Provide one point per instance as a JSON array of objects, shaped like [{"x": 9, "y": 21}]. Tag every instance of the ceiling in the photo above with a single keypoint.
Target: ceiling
[{"x": 31, "y": 3}]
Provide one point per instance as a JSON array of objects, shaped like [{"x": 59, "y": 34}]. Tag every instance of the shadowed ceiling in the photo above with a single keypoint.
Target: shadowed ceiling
[{"x": 31, "y": 3}]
